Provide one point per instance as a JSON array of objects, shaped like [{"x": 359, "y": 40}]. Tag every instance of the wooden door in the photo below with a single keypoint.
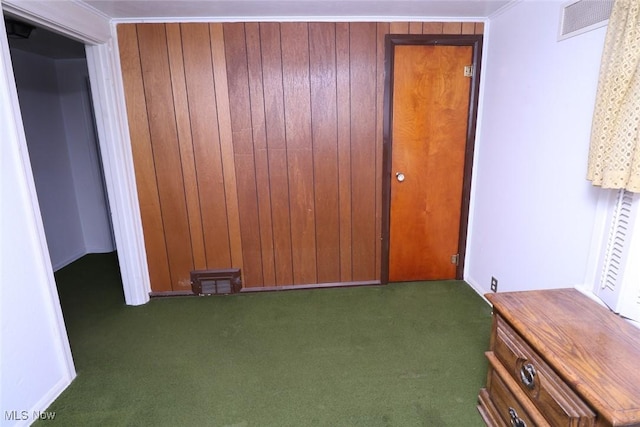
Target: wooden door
[{"x": 430, "y": 116}]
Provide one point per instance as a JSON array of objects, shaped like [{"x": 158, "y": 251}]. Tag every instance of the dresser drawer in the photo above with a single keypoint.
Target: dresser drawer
[
  {"x": 488, "y": 410},
  {"x": 556, "y": 401},
  {"x": 507, "y": 401},
  {"x": 563, "y": 354}
]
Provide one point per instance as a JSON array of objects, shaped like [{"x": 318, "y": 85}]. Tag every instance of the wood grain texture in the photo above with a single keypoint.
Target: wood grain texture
[
  {"x": 164, "y": 140},
  {"x": 343, "y": 82},
  {"x": 277, "y": 153},
  {"x": 145, "y": 172},
  {"x": 488, "y": 410},
  {"x": 382, "y": 31},
  {"x": 238, "y": 83},
  {"x": 295, "y": 71},
  {"x": 226, "y": 142},
  {"x": 507, "y": 397},
  {"x": 203, "y": 117},
  {"x": 249, "y": 221},
  {"x": 363, "y": 39},
  {"x": 242, "y": 132},
  {"x": 593, "y": 350},
  {"x": 322, "y": 63},
  {"x": 548, "y": 392},
  {"x": 261, "y": 154},
  {"x": 468, "y": 28},
  {"x": 432, "y": 28},
  {"x": 415, "y": 27},
  {"x": 399, "y": 28},
  {"x": 263, "y": 147},
  {"x": 185, "y": 141},
  {"x": 452, "y": 28},
  {"x": 430, "y": 116}
]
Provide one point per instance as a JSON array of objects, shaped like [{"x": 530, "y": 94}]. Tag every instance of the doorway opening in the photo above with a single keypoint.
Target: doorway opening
[
  {"x": 431, "y": 101},
  {"x": 52, "y": 82}
]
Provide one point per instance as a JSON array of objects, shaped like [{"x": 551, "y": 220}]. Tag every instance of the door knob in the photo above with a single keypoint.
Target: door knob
[{"x": 399, "y": 176}]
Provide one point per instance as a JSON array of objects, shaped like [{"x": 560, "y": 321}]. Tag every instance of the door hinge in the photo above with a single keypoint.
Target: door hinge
[
  {"x": 455, "y": 259},
  {"x": 468, "y": 70}
]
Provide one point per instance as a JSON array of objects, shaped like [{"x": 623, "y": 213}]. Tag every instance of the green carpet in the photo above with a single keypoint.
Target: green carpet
[{"x": 406, "y": 354}]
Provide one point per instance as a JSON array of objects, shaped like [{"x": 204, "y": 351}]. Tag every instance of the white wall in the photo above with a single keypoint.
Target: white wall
[
  {"x": 57, "y": 118},
  {"x": 83, "y": 153},
  {"x": 35, "y": 358},
  {"x": 533, "y": 211},
  {"x": 43, "y": 120}
]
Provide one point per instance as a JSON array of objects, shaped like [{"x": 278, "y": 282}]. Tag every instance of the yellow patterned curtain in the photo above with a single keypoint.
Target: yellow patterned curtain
[{"x": 614, "y": 154}]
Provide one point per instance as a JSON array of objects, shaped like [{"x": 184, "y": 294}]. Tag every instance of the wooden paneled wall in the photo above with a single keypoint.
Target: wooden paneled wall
[{"x": 259, "y": 146}]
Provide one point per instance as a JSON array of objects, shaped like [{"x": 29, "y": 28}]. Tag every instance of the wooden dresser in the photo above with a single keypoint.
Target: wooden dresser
[{"x": 557, "y": 358}]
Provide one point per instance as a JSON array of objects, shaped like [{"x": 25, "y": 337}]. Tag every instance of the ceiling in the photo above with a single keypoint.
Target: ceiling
[{"x": 308, "y": 9}]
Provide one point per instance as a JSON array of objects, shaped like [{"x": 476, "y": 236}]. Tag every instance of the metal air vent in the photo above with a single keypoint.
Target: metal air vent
[
  {"x": 580, "y": 16},
  {"x": 216, "y": 282}
]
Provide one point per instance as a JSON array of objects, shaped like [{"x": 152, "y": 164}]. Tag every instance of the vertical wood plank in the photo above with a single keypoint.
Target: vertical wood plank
[
  {"x": 452, "y": 28},
  {"x": 179, "y": 88},
  {"x": 468, "y": 28},
  {"x": 295, "y": 77},
  {"x": 399, "y": 28},
  {"x": 308, "y": 210},
  {"x": 238, "y": 83},
  {"x": 343, "y": 81},
  {"x": 249, "y": 225},
  {"x": 226, "y": 142},
  {"x": 237, "y": 71},
  {"x": 383, "y": 30},
  {"x": 322, "y": 38},
  {"x": 279, "y": 183},
  {"x": 295, "y": 71},
  {"x": 432, "y": 28},
  {"x": 206, "y": 142},
  {"x": 415, "y": 27},
  {"x": 363, "y": 133},
  {"x": 157, "y": 82},
  {"x": 145, "y": 173},
  {"x": 479, "y": 28},
  {"x": 261, "y": 155}
]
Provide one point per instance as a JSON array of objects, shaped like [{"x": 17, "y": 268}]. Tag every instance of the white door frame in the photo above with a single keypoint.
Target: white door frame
[{"x": 96, "y": 31}]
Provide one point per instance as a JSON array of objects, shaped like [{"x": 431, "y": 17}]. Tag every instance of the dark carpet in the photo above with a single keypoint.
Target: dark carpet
[{"x": 407, "y": 354}]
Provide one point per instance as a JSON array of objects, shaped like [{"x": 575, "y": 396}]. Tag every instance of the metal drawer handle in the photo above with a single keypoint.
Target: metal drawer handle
[
  {"x": 516, "y": 421},
  {"x": 528, "y": 376}
]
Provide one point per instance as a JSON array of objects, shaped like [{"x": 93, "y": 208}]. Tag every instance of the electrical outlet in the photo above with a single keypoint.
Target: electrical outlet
[{"x": 494, "y": 284}]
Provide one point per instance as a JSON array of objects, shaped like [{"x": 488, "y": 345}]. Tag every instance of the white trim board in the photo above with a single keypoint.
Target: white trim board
[
  {"x": 115, "y": 146},
  {"x": 235, "y": 19},
  {"x": 86, "y": 25},
  {"x": 76, "y": 20},
  {"x": 20, "y": 189}
]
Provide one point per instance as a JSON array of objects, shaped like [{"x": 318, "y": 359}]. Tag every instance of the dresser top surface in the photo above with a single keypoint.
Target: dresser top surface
[{"x": 595, "y": 351}]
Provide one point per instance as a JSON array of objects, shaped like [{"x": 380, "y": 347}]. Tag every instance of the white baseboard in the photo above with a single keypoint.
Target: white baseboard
[
  {"x": 50, "y": 397},
  {"x": 76, "y": 256},
  {"x": 58, "y": 264},
  {"x": 100, "y": 250},
  {"x": 479, "y": 289}
]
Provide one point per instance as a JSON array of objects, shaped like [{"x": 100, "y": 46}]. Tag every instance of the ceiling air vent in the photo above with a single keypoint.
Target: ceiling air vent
[
  {"x": 216, "y": 282},
  {"x": 580, "y": 16}
]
